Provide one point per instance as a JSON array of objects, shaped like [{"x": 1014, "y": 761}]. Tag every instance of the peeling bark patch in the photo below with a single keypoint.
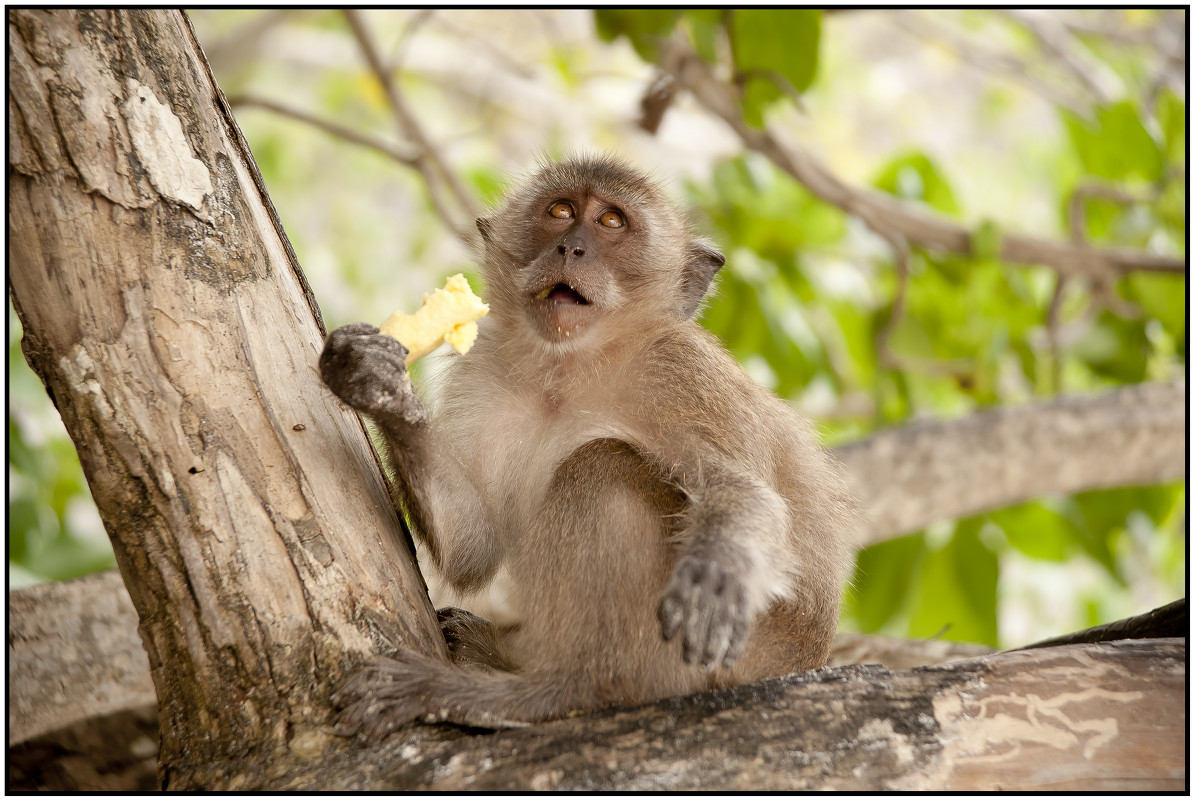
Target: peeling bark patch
[
  {"x": 998, "y": 727},
  {"x": 162, "y": 148}
]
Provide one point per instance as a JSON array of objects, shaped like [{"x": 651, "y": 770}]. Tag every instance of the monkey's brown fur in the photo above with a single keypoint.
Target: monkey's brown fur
[{"x": 667, "y": 524}]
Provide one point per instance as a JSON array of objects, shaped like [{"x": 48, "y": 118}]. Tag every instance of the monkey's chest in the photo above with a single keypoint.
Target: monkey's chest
[{"x": 513, "y": 454}]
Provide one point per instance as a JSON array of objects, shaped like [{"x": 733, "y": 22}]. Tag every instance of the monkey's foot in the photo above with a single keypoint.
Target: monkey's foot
[
  {"x": 366, "y": 370},
  {"x": 393, "y": 692},
  {"x": 707, "y": 605},
  {"x": 473, "y": 640}
]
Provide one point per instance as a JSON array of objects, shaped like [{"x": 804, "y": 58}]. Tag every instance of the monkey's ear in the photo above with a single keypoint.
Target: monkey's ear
[
  {"x": 702, "y": 261},
  {"x": 484, "y": 226}
]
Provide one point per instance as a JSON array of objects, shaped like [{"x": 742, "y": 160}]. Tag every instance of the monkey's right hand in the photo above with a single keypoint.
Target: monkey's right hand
[
  {"x": 707, "y": 604},
  {"x": 366, "y": 370}
]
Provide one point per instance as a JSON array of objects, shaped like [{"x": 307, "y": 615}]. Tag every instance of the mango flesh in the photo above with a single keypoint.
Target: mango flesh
[{"x": 446, "y": 315}]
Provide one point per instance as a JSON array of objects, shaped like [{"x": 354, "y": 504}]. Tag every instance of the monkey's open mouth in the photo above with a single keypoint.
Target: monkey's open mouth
[{"x": 563, "y": 293}]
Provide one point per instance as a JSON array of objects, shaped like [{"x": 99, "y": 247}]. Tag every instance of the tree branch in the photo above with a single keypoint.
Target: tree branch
[
  {"x": 886, "y": 215},
  {"x": 428, "y": 160},
  {"x": 404, "y": 153},
  {"x": 907, "y": 478},
  {"x": 961, "y": 725}
]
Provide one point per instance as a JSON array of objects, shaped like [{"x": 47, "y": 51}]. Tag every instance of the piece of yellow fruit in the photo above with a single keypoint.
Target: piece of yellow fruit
[{"x": 446, "y": 315}]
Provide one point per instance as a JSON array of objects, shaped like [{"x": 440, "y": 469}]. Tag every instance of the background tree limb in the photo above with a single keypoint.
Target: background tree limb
[
  {"x": 909, "y": 477},
  {"x": 886, "y": 215}
]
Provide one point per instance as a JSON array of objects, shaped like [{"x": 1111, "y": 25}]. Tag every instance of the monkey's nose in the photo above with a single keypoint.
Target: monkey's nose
[{"x": 577, "y": 251}]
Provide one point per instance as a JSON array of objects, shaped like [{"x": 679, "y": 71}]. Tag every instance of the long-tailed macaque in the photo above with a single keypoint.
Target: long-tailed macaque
[{"x": 668, "y": 525}]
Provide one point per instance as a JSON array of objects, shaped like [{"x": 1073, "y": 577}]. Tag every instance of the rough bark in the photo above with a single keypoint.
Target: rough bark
[
  {"x": 164, "y": 312},
  {"x": 909, "y": 477},
  {"x": 73, "y": 654},
  {"x": 1090, "y": 717},
  {"x": 992, "y": 722}
]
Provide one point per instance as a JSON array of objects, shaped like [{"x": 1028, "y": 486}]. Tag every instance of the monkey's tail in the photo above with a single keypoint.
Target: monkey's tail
[{"x": 393, "y": 692}]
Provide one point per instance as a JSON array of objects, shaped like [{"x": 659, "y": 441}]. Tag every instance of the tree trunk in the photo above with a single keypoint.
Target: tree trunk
[{"x": 165, "y": 313}]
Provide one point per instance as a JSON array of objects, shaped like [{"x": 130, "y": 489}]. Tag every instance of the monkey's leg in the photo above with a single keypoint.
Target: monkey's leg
[{"x": 588, "y": 577}]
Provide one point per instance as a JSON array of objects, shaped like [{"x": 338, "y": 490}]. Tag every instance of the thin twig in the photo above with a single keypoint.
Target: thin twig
[
  {"x": 782, "y": 84},
  {"x": 429, "y": 161},
  {"x": 421, "y": 18},
  {"x": 402, "y": 153},
  {"x": 900, "y": 251},
  {"x": 1057, "y": 41},
  {"x": 1075, "y": 204},
  {"x": 1053, "y": 321},
  {"x": 987, "y": 61},
  {"x": 1076, "y": 213},
  {"x": 885, "y": 355}
]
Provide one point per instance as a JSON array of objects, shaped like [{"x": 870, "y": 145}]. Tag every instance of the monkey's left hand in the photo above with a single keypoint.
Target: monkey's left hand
[
  {"x": 366, "y": 370},
  {"x": 707, "y": 603}
]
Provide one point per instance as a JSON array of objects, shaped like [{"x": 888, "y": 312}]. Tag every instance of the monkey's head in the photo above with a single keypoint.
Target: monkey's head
[{"x": 587, "y": 245}]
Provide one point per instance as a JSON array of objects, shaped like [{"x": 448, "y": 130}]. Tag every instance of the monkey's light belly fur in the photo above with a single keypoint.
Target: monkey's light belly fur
[{"x": 446, "y": 315}]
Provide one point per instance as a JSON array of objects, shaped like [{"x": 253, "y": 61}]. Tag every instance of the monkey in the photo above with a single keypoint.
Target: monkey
[{"x": 668, "y": 524}]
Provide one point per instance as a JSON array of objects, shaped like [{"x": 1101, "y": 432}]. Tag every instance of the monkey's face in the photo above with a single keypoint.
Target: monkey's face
[
  {"x": 589, "y": 249},
  {"x": 582, "y": 240}
]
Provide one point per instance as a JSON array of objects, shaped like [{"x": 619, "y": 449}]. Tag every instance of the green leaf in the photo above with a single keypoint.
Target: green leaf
[
  {"x": 645, "y": 28},
  {"x": 1038, "y": 531},
  {"x": 985, "y": 242},
  {"x": 1161, "y": 296},
  {"x": 1115, "y": 348},
  {"x": 780, "y": 41},
  {"x": 1116, "y": 145},
  {"x": 1171, "y": 113},
  {"x": 914, "y": 176},
  {"x": 1101, "y": 517},
  {"x": 705, "y": 24},
  {"x": 883, "y": 573},
  {"x": 956, "y": 596}
]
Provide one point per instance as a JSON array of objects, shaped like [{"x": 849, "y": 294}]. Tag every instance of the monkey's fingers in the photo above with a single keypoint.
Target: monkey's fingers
[
  {"x": 676, "y": 607},
  {"x": 709, "y": 604},
  {"x": 366, "y": 370}
]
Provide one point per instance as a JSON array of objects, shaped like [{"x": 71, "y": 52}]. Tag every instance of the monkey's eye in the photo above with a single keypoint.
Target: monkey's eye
[
  {"x": 612, "y": 219},
  {"x": 561, "y": 210}
]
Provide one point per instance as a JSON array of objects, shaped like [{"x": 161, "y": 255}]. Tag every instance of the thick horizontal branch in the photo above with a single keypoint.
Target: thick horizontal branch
[
  {"x": 74, "y": 655},
  {"x": 890, "y": 217},
  {"x": 909, "y": 477},
  {"x": 906, "y": 478},
  {"x": 1107, "y": 716},
  {"x": 1092, "y": 716}
]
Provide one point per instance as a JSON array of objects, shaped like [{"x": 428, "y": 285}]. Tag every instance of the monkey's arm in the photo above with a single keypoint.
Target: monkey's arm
[
  {"x": 731, "y": 564},
  {"x": 366, "y": 370}
]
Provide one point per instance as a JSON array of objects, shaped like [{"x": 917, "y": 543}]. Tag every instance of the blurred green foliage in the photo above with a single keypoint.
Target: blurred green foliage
[
  {"x": 53, "y": 530},
  {"x": 804, "y": 294},
  {"x": 777, "y": 312}
]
